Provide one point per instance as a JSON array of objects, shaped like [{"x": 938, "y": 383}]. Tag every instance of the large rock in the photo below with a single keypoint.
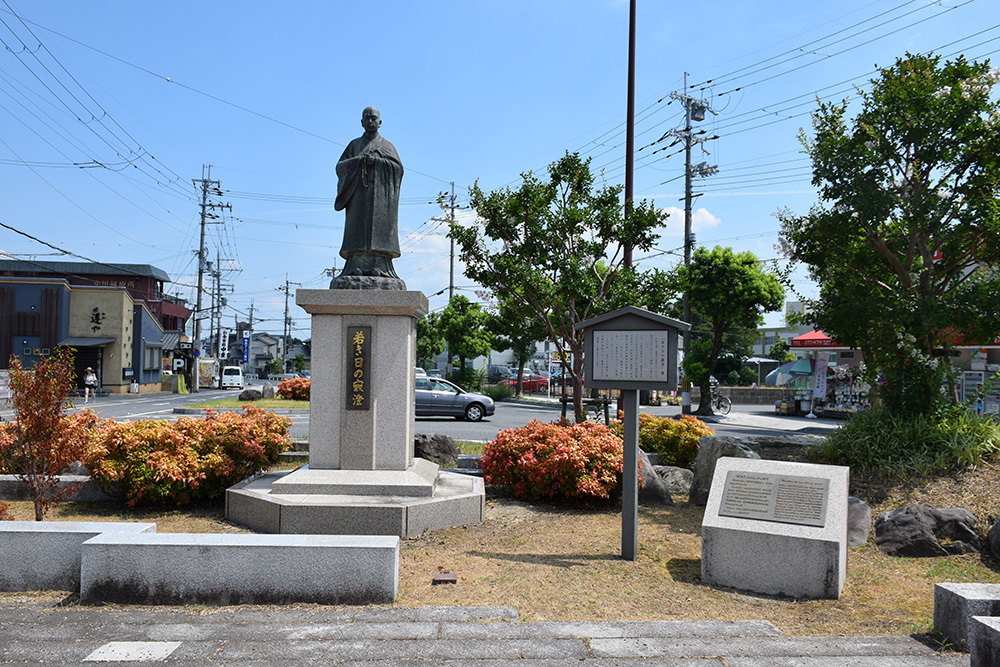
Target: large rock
[
  {"x": 654, "y": 490},
  {"x": 436, "y": 448},
  {"x": 267, "y": 391},
  {"x": 993, "y": 537},
  {"x": 250, "y": 395},
  {"x": 678, "y": 480},
  {"x": 918, "y": 531},
  {"x": 711, "y": 449},
  {"x": 859, "y": 521}
]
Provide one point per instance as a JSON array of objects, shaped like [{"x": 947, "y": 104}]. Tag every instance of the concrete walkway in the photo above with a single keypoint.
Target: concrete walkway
[{"x": 484, "y": 636}]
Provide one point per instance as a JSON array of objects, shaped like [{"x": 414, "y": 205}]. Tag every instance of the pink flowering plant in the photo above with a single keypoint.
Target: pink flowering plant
[
  {"x": 155, "y": 461},
  {"x": 557, "y": 461},
  {"x": 294, "y": 389}
]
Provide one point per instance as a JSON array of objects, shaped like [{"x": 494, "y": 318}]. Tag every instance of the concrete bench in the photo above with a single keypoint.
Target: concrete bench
[
  {"x": 225, "y": 569},
  {"x": 955, "y": 604},
  {"x": 46, "y": 555},
  {"x": 984, "y": 641}
]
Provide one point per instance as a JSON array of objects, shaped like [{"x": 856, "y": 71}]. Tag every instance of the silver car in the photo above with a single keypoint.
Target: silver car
[{"x": 437, "y": 397}]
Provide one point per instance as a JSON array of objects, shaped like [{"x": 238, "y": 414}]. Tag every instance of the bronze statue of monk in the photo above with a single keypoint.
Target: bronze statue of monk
[{"x": 369, "y": 174}]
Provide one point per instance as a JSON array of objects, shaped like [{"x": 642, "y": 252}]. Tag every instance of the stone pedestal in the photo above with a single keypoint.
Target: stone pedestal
[{"x": 361, "y": 464}]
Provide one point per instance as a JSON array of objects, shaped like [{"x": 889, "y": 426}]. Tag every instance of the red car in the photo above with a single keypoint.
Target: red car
[{"x": 531, "y": 382}]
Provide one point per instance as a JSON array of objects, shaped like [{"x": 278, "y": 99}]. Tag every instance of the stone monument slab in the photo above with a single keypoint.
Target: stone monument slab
[{"x": 776, "y": 527}]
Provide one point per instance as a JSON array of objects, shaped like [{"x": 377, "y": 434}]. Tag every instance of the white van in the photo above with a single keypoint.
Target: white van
[{"x": 232, "y": 376}]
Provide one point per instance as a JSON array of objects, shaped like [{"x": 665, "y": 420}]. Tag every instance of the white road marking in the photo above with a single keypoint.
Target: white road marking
[{"x": 123, "y": 651}]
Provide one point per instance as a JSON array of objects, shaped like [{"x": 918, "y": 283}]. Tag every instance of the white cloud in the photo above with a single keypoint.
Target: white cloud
[{"x": 701, "y": 219}]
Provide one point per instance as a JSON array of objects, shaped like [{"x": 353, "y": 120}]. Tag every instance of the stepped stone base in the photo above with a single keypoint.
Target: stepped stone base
[{"x": 325, "y": 508}]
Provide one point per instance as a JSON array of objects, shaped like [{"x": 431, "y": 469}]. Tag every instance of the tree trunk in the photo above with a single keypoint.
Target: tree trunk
[
  {"x": 519, "y": 391},
  {"x": 578, "y": 386},
  {"x": 705, "y": 402}
]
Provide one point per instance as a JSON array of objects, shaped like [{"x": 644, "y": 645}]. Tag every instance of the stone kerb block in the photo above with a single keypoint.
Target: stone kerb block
[
  {"x": 46, "y": 555},
  {"x": 227, "y": 569},
  {"x": 777, "y": 528},
  {"x": 984, "y": 641},
  {"x": 955, "y": 604}
]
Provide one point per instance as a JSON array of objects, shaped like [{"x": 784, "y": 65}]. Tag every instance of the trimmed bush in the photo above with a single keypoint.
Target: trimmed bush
[
  {"x": 468, "y": 378},
  {"x": 156, "y": 461},
  {"x": 499, "y": 392},
  {"x": 675, "y": 440},
  {"x": 558, "y": 461},
  {"x": 294, "y": 389},
  {"x": 876, "y": 442}
]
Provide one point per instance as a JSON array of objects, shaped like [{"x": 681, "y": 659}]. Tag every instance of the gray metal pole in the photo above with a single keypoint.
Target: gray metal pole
[
  {"x": 630, "y": 476},
  {"x": 686, "y": 335}
]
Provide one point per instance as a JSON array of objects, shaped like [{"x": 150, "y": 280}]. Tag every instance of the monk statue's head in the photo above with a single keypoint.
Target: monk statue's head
[{"x": 371, "y": 120}]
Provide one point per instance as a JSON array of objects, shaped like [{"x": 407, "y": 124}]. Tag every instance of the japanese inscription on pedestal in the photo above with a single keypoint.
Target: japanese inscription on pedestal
[
  {"x": 780, "y": 498},
  {"x": 631, "y": 355},
  {"x": 359, "y": 377}
]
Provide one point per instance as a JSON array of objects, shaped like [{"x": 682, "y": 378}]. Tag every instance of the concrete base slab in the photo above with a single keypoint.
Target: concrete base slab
[
  {"x": 456, "y": 500},
  {"x": 984, "y": 641},
  {"x": 955, "y": 604},
  {"x": 418, "y": 481},
  {"x": 45, "y": 555},
  {"x": 182, "y": 568}
]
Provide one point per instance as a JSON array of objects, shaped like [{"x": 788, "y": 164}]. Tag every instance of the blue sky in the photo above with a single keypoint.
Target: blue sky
[{"x": 108, "y": 110}]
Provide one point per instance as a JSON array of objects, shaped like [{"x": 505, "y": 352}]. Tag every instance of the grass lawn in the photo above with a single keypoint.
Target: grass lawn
[
  {"x": 561, "y": 563},
  {"x": 235, "y": 404}
]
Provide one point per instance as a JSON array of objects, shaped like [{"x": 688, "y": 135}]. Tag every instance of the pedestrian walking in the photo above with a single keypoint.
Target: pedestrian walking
[{"x": 89, "y": 385}]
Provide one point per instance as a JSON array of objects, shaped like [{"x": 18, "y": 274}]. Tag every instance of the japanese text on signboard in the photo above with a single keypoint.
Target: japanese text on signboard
[
  {"x": 631, "y": 355},
  {"x": 359, "y": 382}
]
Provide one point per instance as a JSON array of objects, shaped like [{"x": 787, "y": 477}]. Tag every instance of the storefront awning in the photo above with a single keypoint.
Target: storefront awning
[
  {"x": 813, "y": 339},
  {"x": 171, "y": 340},
  {"x": 84, "y": 341}
]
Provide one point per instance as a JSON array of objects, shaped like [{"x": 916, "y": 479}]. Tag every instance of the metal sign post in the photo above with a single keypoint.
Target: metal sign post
[{"x": 631, "y": 349}]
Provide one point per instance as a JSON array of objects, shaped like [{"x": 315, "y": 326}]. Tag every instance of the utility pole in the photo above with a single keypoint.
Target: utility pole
[
  {"x": 451, "y": 272},
  {"x": 630, "y": 125},
  {"x": 208, "y": 217},
  {"x": 694, "y": 109},
  {"x": 284, "y": 341}
]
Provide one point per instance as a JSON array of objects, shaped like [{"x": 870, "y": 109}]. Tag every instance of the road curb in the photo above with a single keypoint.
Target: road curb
[{"x": 280, "y": 411}]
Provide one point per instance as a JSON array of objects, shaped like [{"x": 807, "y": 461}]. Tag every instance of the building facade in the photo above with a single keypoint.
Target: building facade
[{"x": 113, "y": 315}]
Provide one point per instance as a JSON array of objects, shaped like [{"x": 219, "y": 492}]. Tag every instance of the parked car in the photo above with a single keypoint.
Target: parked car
[
  {"x": 232, "y": 376},
  {"x": 440, "y": 398},
  {"x": 531, "y": 382},
  {"x": 435, "y": 373},
  {"x": 498, "y": 373}
]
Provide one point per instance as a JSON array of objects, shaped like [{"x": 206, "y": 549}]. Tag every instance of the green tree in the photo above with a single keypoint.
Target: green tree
[
  {"x": 729, "y": 293},
  {"x": 299, "y": 362},
  {"x": 430, "y": 341},
  {"x": 464, "y": 325},
  {"x": 905, "y": 242},
  {"x": 516, "y": 329},
  {"x": 556, "y": 247},
  {"x": 780, "y": 351}
]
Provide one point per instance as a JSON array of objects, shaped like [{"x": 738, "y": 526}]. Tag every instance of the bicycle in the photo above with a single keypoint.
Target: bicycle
[{"x": 720, "y": 403}]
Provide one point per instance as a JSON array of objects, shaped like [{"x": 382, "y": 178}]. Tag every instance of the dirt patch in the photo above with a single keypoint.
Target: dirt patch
[{"x": 561, "y": 563}]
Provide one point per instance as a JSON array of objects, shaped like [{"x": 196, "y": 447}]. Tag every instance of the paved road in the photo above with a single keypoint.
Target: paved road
[
  {"x": 369, "y": 636},
  {"x": 743, "y": 420}
]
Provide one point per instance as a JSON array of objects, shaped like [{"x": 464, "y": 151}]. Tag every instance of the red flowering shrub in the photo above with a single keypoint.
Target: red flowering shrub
[
  {"x": 5, "y": 512},
  {"x": 558, "y": 461},
  {"x": 294, "y": 389},
  {"x": 152, "y": 461},
  {"x": 676, "y": 441}
]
